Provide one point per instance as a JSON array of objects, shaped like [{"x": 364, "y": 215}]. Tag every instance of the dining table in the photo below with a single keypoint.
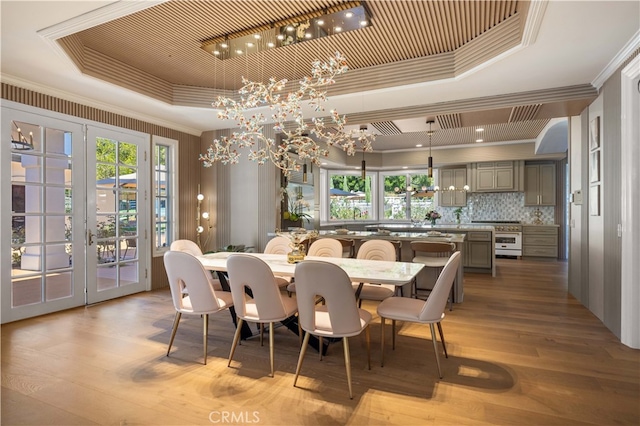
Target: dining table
[{"x": 359, "y": 270}]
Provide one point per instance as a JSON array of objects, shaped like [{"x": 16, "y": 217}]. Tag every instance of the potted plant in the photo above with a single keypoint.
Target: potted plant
[
  {"x": 458, "y": 213},
  {"x": 432, "y": 216}
]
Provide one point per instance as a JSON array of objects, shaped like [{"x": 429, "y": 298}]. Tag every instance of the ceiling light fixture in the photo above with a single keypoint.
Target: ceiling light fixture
[
  {"x": 430, "y": 160},
  {"x": 297, "y": 144},
  {"x": 308, "y": 26}
]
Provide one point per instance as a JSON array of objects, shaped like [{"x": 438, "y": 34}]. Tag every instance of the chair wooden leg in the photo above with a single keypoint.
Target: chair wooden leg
[
  {"x": 303, "y": 350},
  {"x": 271, "y": 347},
  {"x": 236, "y": 339},
  {"x": 367, "y": 336},
  {"x": 435, "y": 348},
  {"x": 347, "y": 362},
  {"x": 444, "y": 345},
  {"x": 205, "y": 334},
  {"x": 382, "y": 320},
  {"x": 393, "y": 334},
  {"x": 176, "y": 321}
]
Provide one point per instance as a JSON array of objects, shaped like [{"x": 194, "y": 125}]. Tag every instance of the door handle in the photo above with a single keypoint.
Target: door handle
[{"x": 90, "y": 236}]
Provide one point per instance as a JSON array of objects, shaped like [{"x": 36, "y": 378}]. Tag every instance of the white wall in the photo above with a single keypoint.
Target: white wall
[{"x": 575, "y": 208}]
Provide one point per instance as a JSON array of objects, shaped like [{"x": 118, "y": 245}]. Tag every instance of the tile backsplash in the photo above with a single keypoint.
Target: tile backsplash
[{"x": 497, "y": 206}]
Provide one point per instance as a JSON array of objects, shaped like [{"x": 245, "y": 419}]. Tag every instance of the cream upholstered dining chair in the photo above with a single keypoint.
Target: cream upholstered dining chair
[
  {"x": 279, "y": 245},
  {"x": 375, "y": 250},
  {"x": 322, "y": 247},
  {"x": 429, "y": 312},
  {"x": 188, "y": 246},
  {"x": 432, "y": 255},
  {"x": 339, "y": 317},
  {"x": 266, "y": 304},
  {"x": 184, "y": 270}
]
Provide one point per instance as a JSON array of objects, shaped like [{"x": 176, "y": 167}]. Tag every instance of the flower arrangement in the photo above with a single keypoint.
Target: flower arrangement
[
  {"x": 432, "y": 216},
  {"x": 296, "y": 208}
]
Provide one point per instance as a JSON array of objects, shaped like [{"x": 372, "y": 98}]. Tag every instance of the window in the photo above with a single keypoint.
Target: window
[
  {"x": 164, "y": 198},
  {"x": 350, "y": 197},
  {"x": 403, "y": 196}
]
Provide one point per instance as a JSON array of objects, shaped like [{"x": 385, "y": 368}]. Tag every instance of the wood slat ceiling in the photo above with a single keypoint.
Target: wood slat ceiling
[{"x": 165, "y": 40}]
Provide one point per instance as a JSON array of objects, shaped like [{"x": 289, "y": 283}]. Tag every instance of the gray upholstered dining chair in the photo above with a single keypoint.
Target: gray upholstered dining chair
[
  {"x": 429, "y": 312},
  {"x": 266, "y": 304},
  {"x": 338, "y": 317},
  {"x": 185, "y": 271},
  {"x": 375, "y": 250}
]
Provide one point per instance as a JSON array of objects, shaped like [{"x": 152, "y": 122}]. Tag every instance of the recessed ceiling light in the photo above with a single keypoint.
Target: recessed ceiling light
[
  {"x": 307, "y": 35},
  {"x": 479, "y": 140},
  {"x": 348, "y": 14},
  {"x": 216, "y": 52},
  {"x": 224, "y": 45},
  {"x": 419, "y": 145},
  {"x": 363, "y": 23},
  {"x": 338, "y": 29},
  {"x": 239, "y": 52},
  {"x": 270, "y": 44},
  {"x": 320, "y": 22},
  {"x": 480, "y": 129},
  {"x": 290, "y": 28},
  {"x": 257, "y": 36},
  {"x": 280, "y": 37},
  {"x": 249, "y": 44}
]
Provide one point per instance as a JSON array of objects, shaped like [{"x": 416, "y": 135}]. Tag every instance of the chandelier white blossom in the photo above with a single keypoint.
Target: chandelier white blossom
[{"x": 297, "y": 146}]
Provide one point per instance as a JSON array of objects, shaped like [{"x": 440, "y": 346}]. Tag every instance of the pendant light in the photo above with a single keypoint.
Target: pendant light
[
  {"x": 363, "y": 128},
  {"x": 430, "y": 160},
  {"x": 304, "y": 172}
]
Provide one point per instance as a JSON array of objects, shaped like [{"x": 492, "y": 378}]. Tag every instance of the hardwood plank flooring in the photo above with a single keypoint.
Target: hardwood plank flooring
[{"x": 522, "y": 351}]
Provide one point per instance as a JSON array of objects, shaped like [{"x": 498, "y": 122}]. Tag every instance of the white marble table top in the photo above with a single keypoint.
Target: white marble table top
[{"x": 359, "y": 270}]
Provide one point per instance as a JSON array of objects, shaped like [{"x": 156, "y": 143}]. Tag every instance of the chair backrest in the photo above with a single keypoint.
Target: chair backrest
[
  {"x": 348, "y": 246},
  {"x": 315, "y": 278},
  {"x": 436, "y": 249},
  {"x": 246, "y": 271},
  {"x": 278, "y": 245},
  {"x": 325, "y": 247},
  {"x": 377, "y": 250},
  {"x": 434, "y": 305},
  {"x": 186, "y": 246},
  {"x": 183, "y": 269}
]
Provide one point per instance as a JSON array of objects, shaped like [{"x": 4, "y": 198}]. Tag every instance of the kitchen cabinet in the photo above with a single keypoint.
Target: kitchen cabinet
[
  {"x": 478, "y": 250},
  {"x": 494, "y": 176},
  {"x": 456, "y": 178},
  {"x": 540, "y": 241},
  {"x": 540, "y": 184}
]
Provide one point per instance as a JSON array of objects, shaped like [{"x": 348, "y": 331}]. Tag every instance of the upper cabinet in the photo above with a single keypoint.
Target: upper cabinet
[
  {"x": 453, "y": 177},
  {"x": 540, "y": 184},
  {"x": 495, "y": 176}
]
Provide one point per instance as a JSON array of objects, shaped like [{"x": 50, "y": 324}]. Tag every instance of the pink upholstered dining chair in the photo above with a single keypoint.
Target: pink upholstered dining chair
[
  {"x": 188, "y": 246},
  {"x": 338, "y": 317},
  {"x": 429, "y": 312},
  {"x": 279, "y": 245},
  {"x": 323, "y": 247},
  {"x": 375, "y": 250},
  {"x": 266, "y": 304},
  {"x": 185, "y": 271}
]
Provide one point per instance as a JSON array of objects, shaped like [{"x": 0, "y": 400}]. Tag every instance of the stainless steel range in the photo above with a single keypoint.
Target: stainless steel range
[{"x": 508, "y": 239}]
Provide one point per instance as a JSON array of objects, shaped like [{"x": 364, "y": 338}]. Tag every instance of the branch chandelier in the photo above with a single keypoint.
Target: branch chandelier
[
  {"x": 308, "y": 141},
  {"x": 298, "y": 144}
]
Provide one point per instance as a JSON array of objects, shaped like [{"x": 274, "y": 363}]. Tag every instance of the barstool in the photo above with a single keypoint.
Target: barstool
[{"x": 432, "y": 255}]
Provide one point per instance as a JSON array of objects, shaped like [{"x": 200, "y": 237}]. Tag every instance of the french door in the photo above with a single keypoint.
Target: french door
[
  {"x": 70, "y": 236},
  {"x": 117, "y": 195}
]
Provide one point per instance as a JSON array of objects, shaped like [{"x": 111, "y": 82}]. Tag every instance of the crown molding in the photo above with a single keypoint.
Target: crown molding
[{"x": 632, "y": 45}]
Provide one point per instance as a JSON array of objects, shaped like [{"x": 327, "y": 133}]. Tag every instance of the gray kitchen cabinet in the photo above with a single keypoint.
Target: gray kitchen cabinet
[
  {"x": 456, "y": 178},
  {"x": 540, "y": 184},
  {"x": 494, "y": 176},
  {"x": 479, "y": 253},
  {"x": 540, "y": 241}
]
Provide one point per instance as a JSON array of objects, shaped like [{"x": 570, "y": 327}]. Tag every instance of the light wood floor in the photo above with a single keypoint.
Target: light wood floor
[{"x": 522, "y": 351}]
